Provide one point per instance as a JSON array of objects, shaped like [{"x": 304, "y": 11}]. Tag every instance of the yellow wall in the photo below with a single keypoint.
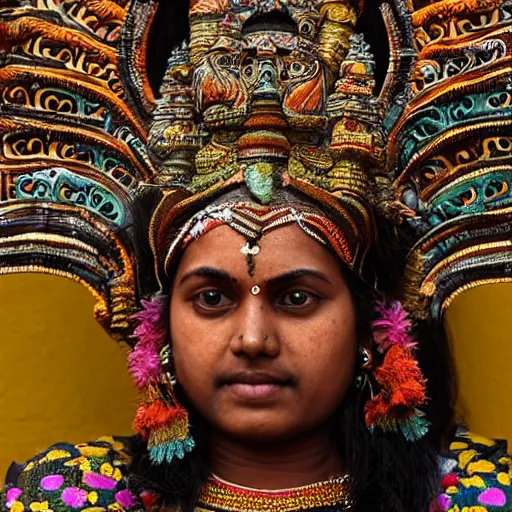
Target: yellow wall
[
  {"x": 62, "y": 378},
  {"x": 479, "y": 323}
]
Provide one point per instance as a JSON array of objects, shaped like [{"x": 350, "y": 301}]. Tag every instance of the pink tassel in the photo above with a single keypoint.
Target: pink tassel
[
  {"x": 144, "y": 362},
  {"x": 392, "y": 327}
]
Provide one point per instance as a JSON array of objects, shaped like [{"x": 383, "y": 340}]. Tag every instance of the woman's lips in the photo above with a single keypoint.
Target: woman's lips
[
  {"x": 255, "y": 385},
  {"x": 254, "y": 391}
]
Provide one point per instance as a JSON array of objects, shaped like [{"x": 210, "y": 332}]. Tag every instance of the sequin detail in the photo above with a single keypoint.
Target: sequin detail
[{"x": 221, "y": 495}]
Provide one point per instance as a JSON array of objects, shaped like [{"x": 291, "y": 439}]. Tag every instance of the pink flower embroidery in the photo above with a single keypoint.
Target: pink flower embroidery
[
  {"x": 97, "y": 481},
  {"x": 12, "y": 495},
  {"x": 125, "y": 498},
  {"x": 52, "y": 482},
  {"x": 494, "y": 497},
  {"x": 74, "y": 497}
]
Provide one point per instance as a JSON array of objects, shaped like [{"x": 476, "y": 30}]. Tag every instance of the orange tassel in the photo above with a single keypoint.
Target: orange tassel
[
  {"x": 402, "y": 391},
  {"x": 163, "y": 423}
]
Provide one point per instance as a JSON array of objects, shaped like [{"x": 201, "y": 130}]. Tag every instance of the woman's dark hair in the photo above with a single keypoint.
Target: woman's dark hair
[{"x": 388, "y": 473}]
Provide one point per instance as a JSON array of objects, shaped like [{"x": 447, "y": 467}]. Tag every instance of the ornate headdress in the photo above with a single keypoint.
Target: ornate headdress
[{"x": 267, "y": 100}]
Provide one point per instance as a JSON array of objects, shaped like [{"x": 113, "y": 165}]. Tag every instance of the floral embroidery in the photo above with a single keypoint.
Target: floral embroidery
[
  {"x": 74, "y": 497},
  {"x": 41, "y": 506},
  {"x": 12, "y": 495},
  {"x": 479, "y": 476},
  {"x": 125, "y": 498},
  {"x": 98, "y": 481},
  {"x": 52, "y": 482},
  {"x": 74, "y": 478},
  {"x": 91, "y": 478}
]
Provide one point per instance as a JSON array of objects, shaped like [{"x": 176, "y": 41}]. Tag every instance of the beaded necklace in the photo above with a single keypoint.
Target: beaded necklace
[{"x": 222, "y": 496}]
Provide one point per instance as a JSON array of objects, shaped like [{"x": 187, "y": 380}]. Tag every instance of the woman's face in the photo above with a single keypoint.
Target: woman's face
[{"x": 270, "y": 365}]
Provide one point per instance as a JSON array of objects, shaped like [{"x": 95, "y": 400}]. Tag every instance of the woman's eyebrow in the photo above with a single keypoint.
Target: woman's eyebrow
[
  {"x": 211, "y": 272},
  {"x": 296, "y": 274}
]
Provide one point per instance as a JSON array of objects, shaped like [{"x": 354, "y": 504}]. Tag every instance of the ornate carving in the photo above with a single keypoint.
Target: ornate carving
[
  {"x": 451, "y": 149},
  {"x": 429, "y": 72},
  {"x": 259, "y": 75},
  {"x": 61, "y": 186}
]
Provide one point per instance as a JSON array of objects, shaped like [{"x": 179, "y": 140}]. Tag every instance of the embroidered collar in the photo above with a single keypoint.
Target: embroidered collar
[{"x": 220, "y": 495}]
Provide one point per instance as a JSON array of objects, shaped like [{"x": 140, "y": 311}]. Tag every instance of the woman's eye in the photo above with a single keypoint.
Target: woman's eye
[
  {"x": 212, "y": 299},
  {"x": 298, "y": 298}
]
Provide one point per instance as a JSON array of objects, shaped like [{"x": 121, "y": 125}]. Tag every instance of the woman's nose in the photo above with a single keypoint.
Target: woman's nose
[{"x": 255, "y": 336}]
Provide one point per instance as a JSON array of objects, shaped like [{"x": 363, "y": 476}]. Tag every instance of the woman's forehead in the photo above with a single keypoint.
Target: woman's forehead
[{"x": 282, "y": 250}]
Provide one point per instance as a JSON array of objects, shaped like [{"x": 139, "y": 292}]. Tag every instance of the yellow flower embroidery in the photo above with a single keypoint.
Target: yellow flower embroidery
[
  {"x": 457, "y": 445},
  {"x": 480, "y": 440},
  {"x": 117, "y": 445},
  {"x": 29, "y": 467},
  {"x": 507, "y": 461},
  {"x": 94, "y": 509},
  {"x": 116, "y": 507},
  {"x": 83, "y": 462},
  {"x": 452, "y": 490},
  {"x": 106, "y": 469},
  {"x": 41, "y": 506},
  {"x": 92, "y": 497},
  {"x": 17, "y": 506},
  {"x": 85, "y": 465},
  {"x": 92, "y": 451},
  {"x": 465, "y": 457},
  {"x": 54, "y": 455},
  {"x": 57, "y": 454},
  {"x": 468, "y": 509},
  {"x": 481, "y": 466},
  {"x": 474, "y": 481},
  {"x": 503, "y": 479}
]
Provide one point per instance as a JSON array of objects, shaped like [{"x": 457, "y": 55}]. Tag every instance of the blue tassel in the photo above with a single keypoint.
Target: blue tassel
[
  {"x": 415, "y": 427},
  {"x": 166, "y": 452}
]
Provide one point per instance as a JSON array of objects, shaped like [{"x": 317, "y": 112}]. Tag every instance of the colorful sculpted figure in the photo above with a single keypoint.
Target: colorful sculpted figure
[{"x": 306, "y": 235}]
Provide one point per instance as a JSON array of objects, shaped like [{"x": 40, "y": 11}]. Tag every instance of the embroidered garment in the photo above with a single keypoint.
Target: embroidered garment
[
  {"x": 84, "y": 477},
  {"x": 92, "y": 477},
  {"x": 476, "y": 473}
]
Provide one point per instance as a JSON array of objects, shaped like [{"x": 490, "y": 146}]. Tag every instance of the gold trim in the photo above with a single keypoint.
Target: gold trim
[{"x": 221, "y": 495}]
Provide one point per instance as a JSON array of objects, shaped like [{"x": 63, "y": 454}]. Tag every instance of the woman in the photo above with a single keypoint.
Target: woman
[
  {"x": 274, "y": 367},
  {"x": 278, "y": 365}
]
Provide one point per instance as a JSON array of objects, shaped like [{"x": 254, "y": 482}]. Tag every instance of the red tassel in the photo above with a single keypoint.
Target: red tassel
[
  {"x": 402, "y": 388},
  {"x": 157, "y": 415}
]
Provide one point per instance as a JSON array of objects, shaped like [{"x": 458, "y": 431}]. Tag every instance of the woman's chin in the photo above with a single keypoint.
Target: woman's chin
[{"x": 260, "y": 428}]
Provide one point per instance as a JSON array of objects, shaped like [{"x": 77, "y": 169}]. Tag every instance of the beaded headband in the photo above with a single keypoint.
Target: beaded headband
[{"x": 254, "y": 221}]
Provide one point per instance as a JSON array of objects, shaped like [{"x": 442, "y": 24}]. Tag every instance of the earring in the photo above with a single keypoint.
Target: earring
[
  {"x": 395, "y": 408},
  {"x": 160, "y": 420},
  {"x": 163, "y": 422},
  {"x": 364, "y": 362}
]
